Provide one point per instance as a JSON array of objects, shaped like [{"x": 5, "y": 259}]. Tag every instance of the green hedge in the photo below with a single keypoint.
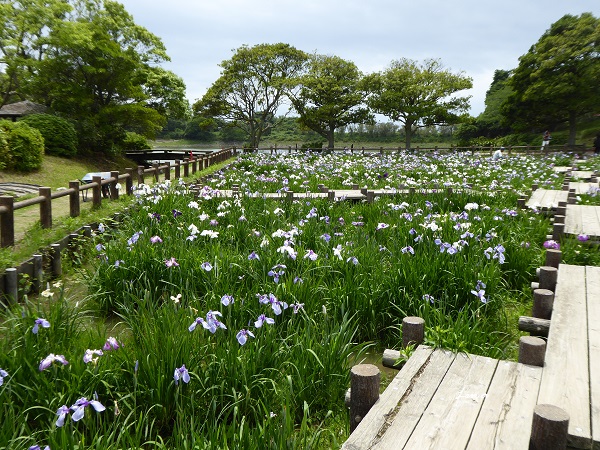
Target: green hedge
[
  {"x": 25, "y": 146},
  {"x": 60, "y": 137}
]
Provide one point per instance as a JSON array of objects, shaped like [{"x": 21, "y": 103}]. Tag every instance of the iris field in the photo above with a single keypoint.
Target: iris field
[{"x": 234, "y": 321}]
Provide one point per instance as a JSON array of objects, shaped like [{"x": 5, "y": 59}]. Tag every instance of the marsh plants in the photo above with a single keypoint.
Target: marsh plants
[{"x": 239, "y": 318}]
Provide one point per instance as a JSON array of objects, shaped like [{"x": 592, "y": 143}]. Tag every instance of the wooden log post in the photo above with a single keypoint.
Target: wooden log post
[
  {"x": 534, "y": 326},
  {"x": 355, "y": 187},
  {"x": 561, "y": 210},
  {"x": 543, "y": 302},
  {"x": 168, "y": 171},
  {"x": 548, "y": 277},
  {"x": 46, "y": 207},
  {"x": 140, "y": 175},
  {"x": 363, "y": 191},
  {"x": 87, "y": 231},
  {"x": 177, "y": 169},
  {"x": 97, "y": 192},
  {"x": 558, "y": 230},
  {"x": 331, "y": 196},
  {"x": 370, "y": 196},
  {"x": 521, "y": 202},
  {"x": 559, "y": 218},
  {"x": 74, "y": 205},
  {"x": 549, "y": 428},
  {"x": 534, "y": 187},
  {"x": 55, "y": 260},
  {"x": 129, "y": 181},
  {"x": 289, "y": 196},
  {"x": 553, "y": 257},
  {"x": 7, "y": 221},
  {"x": 413, "y": 331},
  {"x": 38, "y": 273},
  {"x": 156, "y": 172},
  {"x": 11, "y": 285},
  {"x": 186, "y": 168},
  {"x": 532, "y": 350},
  {"x": 364, "y": 389},
  {"x": 390, "y": 359},
  {"x": 114, "y": 192}
]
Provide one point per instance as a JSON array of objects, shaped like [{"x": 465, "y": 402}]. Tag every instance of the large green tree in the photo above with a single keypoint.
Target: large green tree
[
  {"x": 89, "y": 62},
  {"x": 330, "y": 95},
  {"x": 24, "y": 26},
  {"x": 418, "y": 95},
  {"x": 557, "y": 80},
  {"x": 252, "y": 87}
]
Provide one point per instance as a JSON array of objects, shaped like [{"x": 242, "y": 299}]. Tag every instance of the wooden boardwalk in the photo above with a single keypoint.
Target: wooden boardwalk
[
  {"x": 584, "y": 187},
  {"x": 571, "y": 374},
  {"x": 546, "y": 199},
  {"x": 442, "y": 400},
  {"x": 583, "y": 219}
]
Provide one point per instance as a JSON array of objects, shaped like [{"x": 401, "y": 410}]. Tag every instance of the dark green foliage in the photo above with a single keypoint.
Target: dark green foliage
[
  {"x": 60, "y": 138},
  {"x": 26, "y": 146},
  {"x": 134, "y": 141},
  {"x": 5, "y": 156}
]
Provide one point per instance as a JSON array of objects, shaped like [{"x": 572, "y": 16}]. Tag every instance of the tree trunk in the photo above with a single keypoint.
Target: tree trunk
[
  {"x": 572, "y": 126},
  {"x": 330, "y": 138},
  {"x": 408, "y": 132}
]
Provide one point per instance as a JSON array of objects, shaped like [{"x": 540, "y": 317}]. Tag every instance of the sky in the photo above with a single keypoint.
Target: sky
[{"x": 475, "y": 37}]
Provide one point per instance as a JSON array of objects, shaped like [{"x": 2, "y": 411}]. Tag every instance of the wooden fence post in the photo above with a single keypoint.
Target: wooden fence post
[
  {"x": 543, "y": 302},
  {"x": 140, "y": 175},
  {"x": 364, "y": 391},
  {"x": 168, "y": 171},
  {"x": 46, "y": 207},
  {"x": 97, "y": 192},
  {"x": 7, "y": 221},
  {"x": 74, "y": 206},
  {"x": 156, "y": 174},
  {"x": 56, "y": 261},
  {"x": 12, "y": 285},
  {"x": 129, "y": 180},
  {"x": 177, "y": 169},
  {"x": 413, "y": 331},
  {"x": 548, "y": 277},
  {"x": 186, "y": 168},
  {"x": 553, "y": 257},
  {"x": 549, "y": 428},
  {"x": 114, "y": 192}
]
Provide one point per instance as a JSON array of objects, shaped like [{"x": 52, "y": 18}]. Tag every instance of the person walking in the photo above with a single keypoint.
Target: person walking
[{"x": 546, "y": 140}]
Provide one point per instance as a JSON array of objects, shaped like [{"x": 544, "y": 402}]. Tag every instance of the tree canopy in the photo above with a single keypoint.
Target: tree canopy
[
  {"x": 330, "y": 96},
  {"x": 418, "y": 95},
  {"x": 252, "y": 87},
  {"x": 557, "y": 80},
  {"x": 88, "y": 61}
]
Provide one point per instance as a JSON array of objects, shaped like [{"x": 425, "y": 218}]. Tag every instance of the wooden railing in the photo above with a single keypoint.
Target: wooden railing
[{"x": 45, "y": 196}]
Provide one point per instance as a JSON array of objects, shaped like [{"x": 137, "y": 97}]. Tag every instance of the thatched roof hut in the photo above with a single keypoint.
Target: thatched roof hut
[{"x": 15, "y": 110}]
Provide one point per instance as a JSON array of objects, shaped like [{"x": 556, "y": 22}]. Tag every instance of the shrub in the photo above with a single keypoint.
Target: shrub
[
  {"x": 26, "y": 146},
  {"x": 60, "y": 137},
  {"x": 134, "y": 141},
  {"x": 5, "y": 156}
]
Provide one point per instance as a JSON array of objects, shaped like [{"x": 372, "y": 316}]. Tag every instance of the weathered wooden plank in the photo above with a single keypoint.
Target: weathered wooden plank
[
  {"x": 410, "y": 410},
  {"x": 573, "y": 224},
  {"x": 507, "y": 412},
  {"x": 589, "y": 220},
  {"x": 593, "y": 303},
  {"x": 448, "y": 420},
  {"x": 536, "y": 199},
  {"x": 565, "y": 378},
  {"x": 582, "y": 174},
  {"x": 583, "y": 188},
  {"x": 369, "y": 428}
]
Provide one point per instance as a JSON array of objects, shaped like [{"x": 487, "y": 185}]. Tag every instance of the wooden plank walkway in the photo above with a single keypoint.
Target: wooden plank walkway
[
  {"x": 546, "y": 199},
  {"x": 571, "y": 374},
  {"x": 584, "y": 188},
  {"x": 583, "y": 219},
  {"x": 443, "y": 400},
  {"x": 582, "y": 174}
]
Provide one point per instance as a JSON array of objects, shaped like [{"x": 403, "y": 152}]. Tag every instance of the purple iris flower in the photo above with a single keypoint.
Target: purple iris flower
[
  {"x": 37, "y": 447},
  {"x": 133, "y": 239},
  {"x": 155, "y": 216},
  {"x": 212, "y": 323},
  {"x": 298, "y": 280},
  {"x": 99, "y": 247},
  {"x": 156, "y": 240},
  {"x": 3, "y": 375},
  {"x": 62, "y": 414},
  {"x": 111, "y": 344},
  {"x": 227, "y": 300},
  {"x": 252, "y": 256},
  {"x": 353, "y": 260},
  {"x": 79, "y": 407},
  {"x": 176, "y": 213},
  {"x": 480, "y": 294},
  {"x": 48, "y": 360},
  {"x": 408, "y": 249},
  {"x": 326, "y": 237},
  {"x": 242, "y": 336},
  {"x": 40, "y": 323},
  {"x": 583, "y": 237},
  {"x": 182, "y": 374},
  {"x": 310, "y": 254},
  {"x": 89, "y": 355},
  {"x": 263, "y": 319},
  {"x": 276, "y": 305},
  {"x": 171, "y": 262},
  {"x": 552, "y": 244},
  {"x": 297, "y": 307},
  {"x": 206, "y": 266},
  {"x": 428, "y": 298}
]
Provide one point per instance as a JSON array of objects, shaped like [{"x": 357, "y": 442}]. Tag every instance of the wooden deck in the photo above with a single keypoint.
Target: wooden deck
[
  {"x": 584, "y": 188},
  {"x": 583, "y": 219},
  {"x": 444, "y": 400},
  {"x": 571, "y": 375},
  {"x": 546, "y": 199},
  {"x": 582, "y": 174}
]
